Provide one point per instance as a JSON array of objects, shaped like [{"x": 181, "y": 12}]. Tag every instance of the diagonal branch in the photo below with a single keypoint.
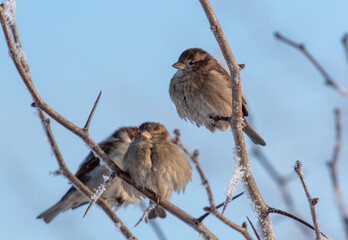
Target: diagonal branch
[
  {"x": 311, "y": 201},
  {"x": 62, "y": 166},
  {"x": 82, "y": 188},
  {"x": 289, "y": 215},
  {"x": 328, "y": 80},
  {"x": 84, "y": 135},
  {"x": 333, "y": 170},
  {"x": 260, "y": 206}
]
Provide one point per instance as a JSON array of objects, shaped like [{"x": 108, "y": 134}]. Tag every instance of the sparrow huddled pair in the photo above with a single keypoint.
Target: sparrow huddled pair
[
  {"x": 147, "y": 154},
  {"x": 201, "y": 91}
]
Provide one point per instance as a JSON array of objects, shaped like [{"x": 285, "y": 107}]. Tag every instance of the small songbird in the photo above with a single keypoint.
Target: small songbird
[
  {"x": 201, "y": 91},
  {"x": 155, "y": 163},
  {"x": 92, "y": 173}
]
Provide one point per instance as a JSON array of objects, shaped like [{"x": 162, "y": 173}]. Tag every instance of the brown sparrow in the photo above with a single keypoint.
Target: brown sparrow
[
  {"x": 92, "y": 173},
  {"x": 201, "y": 91},
  {"x": 155, "y": 163}
]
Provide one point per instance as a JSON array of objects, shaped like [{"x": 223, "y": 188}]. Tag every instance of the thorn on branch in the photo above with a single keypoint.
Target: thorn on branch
[
  {"x": 34, "y": 105},
  {"x": 101, "y": 189},
  {"x": 315, "y": 201},
  {"x": 56, "y": 173},
  {"x": 86, "y": 127},
  {"x": 254, "y": 229},
  {"x": 201, "y": 218},
  {"x": 242, "y": 66},
  {"x": 244, "y": 225}
]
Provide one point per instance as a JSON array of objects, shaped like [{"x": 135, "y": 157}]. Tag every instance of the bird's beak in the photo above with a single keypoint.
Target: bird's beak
[
  {"x": 146, "y": 135},
  {"x": 179, "y": 65}
]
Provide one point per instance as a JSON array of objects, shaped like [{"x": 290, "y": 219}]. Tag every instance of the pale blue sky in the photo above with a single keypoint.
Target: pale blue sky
[{"x": 126, "y": 49}]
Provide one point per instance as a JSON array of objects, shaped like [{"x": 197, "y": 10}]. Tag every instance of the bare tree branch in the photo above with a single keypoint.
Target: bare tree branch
[
  {"x": 212, "y": 209},
  {"x": 260, "y": 206},
  {"x": 47, "y": 128},
  {"x": 333, "y": 170},
  {"x": 84, "y": 135},
  {"x": 312, "y": 201},
  {"x": 301, "y": 47},
  {"x": 281, "y": 212}
]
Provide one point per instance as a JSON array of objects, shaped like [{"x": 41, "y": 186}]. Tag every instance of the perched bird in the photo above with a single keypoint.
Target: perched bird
[
  {"x": 201, "y": 91},
  {"x": 91, "y": 173},
  {"x": 155, "y": 163}
]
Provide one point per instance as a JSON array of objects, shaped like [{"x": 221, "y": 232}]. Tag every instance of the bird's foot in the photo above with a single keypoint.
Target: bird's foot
[
  {"x": 218, "y": 118},
  {"x": 158, "y": 199}
]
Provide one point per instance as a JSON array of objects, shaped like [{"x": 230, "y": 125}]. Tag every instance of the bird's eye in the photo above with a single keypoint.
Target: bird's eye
[{"x": 191, "y": 63}]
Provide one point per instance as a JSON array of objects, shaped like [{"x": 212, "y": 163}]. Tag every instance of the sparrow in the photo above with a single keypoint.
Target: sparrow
[
  {"x": 155, "y": 163},
  {"x": 92, "y": 173},
  {"x": 201, "y": 91}
]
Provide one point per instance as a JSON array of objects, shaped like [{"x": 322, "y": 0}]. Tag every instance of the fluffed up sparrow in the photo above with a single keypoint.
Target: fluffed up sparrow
[
  {"x": 91, "y": 173},
  {"x": 201, "y": 91},
  {"x": 155, "y": 163}
]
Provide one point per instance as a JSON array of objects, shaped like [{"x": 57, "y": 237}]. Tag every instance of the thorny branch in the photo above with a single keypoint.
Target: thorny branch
[
  {"x": 333, "y": 170},
  {"x": 212, "y": 209},
  {"x": 312, "y": 201},
  {"x": 84, "y": 135},
  {"x": 47, "y": 128},
  {"x": 328, "y": 80},
  {"x": 261, "y": 207}
]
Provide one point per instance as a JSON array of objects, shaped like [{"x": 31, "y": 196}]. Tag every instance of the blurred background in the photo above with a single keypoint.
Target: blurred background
[{"x": 126, "y": 49}]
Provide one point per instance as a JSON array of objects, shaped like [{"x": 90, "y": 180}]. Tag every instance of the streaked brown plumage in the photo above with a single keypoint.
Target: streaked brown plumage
[
  {"x": 155, "y": 163},
  {"x": 91, "y": 173},
  {"x": 201, "y": 92}
]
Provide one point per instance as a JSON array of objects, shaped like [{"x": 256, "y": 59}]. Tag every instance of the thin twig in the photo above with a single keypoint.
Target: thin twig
[
  {"x": 261, "y": 207},
  {"x": 333, "y": 170},
  {"x": 86, "y": 127},
  {"x": 212, "y": 209},
  {"x": 278, "y": 211},
  {"x": 311, "y": 201},
  {"x": 328, "y": 80},
  {"x": 201, "y": 218},
  {"x": 252, "y": 225},
  {"x": 84, "y": 135}
]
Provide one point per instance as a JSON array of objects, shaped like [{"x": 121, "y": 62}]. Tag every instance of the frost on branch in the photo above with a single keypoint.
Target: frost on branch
[
  {"x": 238, "y": 173},
  {"x": 10, "y": 11},
  {"x": 20, "y": 52}
]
